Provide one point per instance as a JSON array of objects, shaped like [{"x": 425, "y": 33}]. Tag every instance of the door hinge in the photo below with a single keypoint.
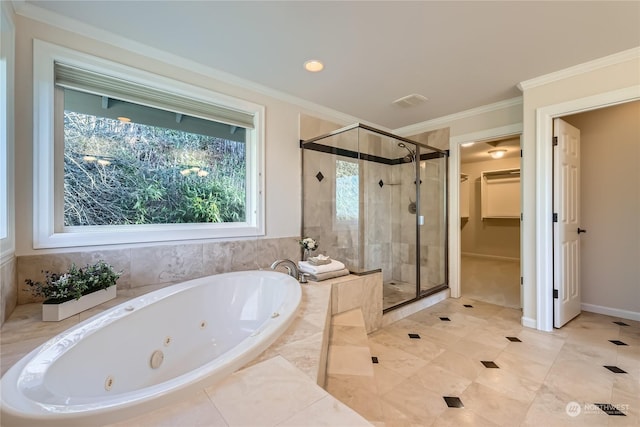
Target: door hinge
[
  {"x": 521, "y": 280},
  {"x": 555, "y": 294},
  {"x": 521, "y": 217},
  {"x": 555, "y": 141},
  {"x": 555, "y": 217},
  {"x": 520, "y": 153}
]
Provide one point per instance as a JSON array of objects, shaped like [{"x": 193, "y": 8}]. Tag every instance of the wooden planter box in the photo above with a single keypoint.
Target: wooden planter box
[{"x": 56, "y": 312}]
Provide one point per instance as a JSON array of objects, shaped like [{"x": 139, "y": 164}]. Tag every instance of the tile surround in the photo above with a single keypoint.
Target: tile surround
[{"x": 151, "y": 267}]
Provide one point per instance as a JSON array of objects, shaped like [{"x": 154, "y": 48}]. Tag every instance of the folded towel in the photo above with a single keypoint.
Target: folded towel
[
  {"x": 329, "y": 275},
  {"x": 319, "y": 260},
  {"x": 307, "y": 267}
]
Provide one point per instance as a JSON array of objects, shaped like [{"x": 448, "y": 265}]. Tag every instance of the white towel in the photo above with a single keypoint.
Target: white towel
[{"x": 306, "y": 267}]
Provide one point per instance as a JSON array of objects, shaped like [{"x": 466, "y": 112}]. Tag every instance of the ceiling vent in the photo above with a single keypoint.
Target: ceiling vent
[{"x": 410, "y": 100}]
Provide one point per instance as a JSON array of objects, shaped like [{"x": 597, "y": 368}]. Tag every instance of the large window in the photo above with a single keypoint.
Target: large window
[
  {"x": 136, "y": 157},
  {"x": 7, "y": 238}
]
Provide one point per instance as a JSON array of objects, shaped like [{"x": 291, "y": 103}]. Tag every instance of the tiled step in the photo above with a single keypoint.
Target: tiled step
[{"x": 350, "y": 376}]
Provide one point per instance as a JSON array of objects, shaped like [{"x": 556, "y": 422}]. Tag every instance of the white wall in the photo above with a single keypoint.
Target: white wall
[{"x": 610, "y": 206}]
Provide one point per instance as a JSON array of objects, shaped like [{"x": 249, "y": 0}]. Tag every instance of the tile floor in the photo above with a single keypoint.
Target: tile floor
[{"x": 535, "y": 378}]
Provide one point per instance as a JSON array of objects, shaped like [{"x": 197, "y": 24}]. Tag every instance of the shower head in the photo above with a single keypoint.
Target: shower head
[{"x": 412, "y": 154}]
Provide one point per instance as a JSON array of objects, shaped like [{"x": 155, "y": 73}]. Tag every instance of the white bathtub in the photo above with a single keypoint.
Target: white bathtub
[{"x": 149, "y": 351}]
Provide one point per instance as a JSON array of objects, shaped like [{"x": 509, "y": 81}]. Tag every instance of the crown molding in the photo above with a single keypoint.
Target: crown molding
[
  {"x": 616, "y": 58},
  {"x": 440, "y": 121},
  {"x": 35, "y": 13}
]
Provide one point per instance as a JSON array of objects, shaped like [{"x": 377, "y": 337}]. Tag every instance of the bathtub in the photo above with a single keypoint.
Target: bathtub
[{"x": 149, "y": 351}]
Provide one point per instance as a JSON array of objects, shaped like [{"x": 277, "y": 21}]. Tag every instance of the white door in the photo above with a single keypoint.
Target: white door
[{"x": 566, "y": 227}]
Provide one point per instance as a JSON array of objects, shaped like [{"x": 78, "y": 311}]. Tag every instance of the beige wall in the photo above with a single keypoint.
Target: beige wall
[
  {"x": 491, "y": 237},
  {"x": 153, "y": 265},
  {"x": 610, "y": 205},
  {"x": 594, "y": 81}
]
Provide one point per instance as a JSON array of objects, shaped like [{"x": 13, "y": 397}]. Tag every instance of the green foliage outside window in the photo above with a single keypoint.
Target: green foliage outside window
[{"x": 118, "y": 173}]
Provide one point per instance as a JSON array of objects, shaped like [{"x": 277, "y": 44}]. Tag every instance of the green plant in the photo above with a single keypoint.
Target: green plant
[{"x": 76, "y": 282}]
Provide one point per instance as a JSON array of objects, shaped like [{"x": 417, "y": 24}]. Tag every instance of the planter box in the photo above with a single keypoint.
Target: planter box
[{"x": 56, "y": 312}]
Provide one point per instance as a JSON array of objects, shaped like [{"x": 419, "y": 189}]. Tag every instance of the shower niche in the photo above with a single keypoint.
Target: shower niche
[{"x": 377, "y": 202}]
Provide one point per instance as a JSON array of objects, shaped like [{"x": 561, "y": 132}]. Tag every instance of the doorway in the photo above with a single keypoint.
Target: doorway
[
  {"x": 543, "y": 198},
  {"x": 608, "y": 232},
  {"x": 489, "y": 205}
]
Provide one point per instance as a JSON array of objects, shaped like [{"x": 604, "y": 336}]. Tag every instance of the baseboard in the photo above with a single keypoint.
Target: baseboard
[
  {"x": 609, "y": 311},
  {"x": 529, "y": 322},
  {"x": 494, "y": 257}
]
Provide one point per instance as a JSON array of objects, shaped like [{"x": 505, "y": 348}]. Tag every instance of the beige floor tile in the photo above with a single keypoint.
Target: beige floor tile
[
  {"x": 494, "y": 406},
  {"x": 326, "y": 412},
  {"x": 348, "y": 335},
  {"x": 475, "y": 350},
  {"x": 357, "y": 392},
  {"x": 459, "y": 417},
  {"x": 195, "y": 411},
  {"x": 459, "y": 364},
  {"x": 522, "y": 366},
  {"x": 583, "y": 381},
  {"x": 272, "y": 389},
  {"x": 349, "y": 360},
  {"x": 441, "y": 381},
  {"x": 417, "y": 404},
  {"x": 549, "y": 408},
  {"x": 386, "y": 379},
  {"x": 399, "y": 361},
  {"x": 349, "y": 318},
  {"x": 510, "y": 384}
]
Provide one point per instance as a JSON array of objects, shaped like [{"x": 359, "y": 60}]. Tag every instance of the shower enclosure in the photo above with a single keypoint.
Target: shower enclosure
[{"x": 377, "y": 202}]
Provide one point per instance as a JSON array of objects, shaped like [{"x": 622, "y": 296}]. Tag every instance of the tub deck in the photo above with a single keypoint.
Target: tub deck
[{"x": 283, "y": 385}]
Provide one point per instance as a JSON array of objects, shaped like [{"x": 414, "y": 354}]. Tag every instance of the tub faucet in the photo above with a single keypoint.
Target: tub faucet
[{"x": 292, "y": 268}]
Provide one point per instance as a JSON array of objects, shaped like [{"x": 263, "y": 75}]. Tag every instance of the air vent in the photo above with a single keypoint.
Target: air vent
[{"x": 410, "y": 100}]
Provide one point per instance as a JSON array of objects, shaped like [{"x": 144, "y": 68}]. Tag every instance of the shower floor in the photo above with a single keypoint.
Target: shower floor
[{"x": 394, "y": 292}]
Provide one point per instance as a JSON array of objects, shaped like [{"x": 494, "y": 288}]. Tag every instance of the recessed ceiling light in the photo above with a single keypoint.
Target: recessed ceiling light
[
  {"x": 313, "y": 65},
  {"x": 498, "y": 153},
  {"x": 467, "y": 144}
]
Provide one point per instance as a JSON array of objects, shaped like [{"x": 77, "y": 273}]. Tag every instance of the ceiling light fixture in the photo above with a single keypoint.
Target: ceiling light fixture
[
  {"x": 313, "y": 65},
  {"x": 467, "y": 144},
  {"x": 497, "y": 153}
]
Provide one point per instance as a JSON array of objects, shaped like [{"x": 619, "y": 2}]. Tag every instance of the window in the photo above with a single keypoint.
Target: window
[
  {"x": 7, "y": 241},
  {"x": 347, "y": 191},
  {"x": 136, "y": 157}
]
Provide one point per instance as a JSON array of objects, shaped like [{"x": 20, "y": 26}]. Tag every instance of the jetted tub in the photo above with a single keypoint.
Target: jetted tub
[{"x": 150, "y": 350}]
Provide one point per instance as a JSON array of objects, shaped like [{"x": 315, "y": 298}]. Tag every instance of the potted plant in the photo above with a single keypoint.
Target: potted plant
[{"x": 76, "y": 290}]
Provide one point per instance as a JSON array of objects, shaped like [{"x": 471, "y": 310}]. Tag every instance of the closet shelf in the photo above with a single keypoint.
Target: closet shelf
[{"x": 500, "y": 193}]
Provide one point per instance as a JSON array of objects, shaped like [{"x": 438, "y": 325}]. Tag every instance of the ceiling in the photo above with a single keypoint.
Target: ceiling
[
  {"x": 460, "y": 55},
  {"x": 479, "y": 151}
]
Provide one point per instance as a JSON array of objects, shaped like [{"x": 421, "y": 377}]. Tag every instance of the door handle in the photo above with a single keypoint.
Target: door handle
[{"x": 580, "y": 230}]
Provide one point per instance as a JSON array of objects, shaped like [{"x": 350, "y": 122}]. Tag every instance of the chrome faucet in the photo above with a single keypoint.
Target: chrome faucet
[{"x": 292, "y": 268}]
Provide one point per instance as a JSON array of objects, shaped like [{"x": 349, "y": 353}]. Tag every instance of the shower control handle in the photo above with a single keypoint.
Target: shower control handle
[{"x": 580, "y": 230}]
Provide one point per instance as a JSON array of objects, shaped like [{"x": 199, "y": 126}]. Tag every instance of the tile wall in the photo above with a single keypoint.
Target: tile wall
[
  {"x": 8, "y": 288},
  {"x": 148, "y": 268}
]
